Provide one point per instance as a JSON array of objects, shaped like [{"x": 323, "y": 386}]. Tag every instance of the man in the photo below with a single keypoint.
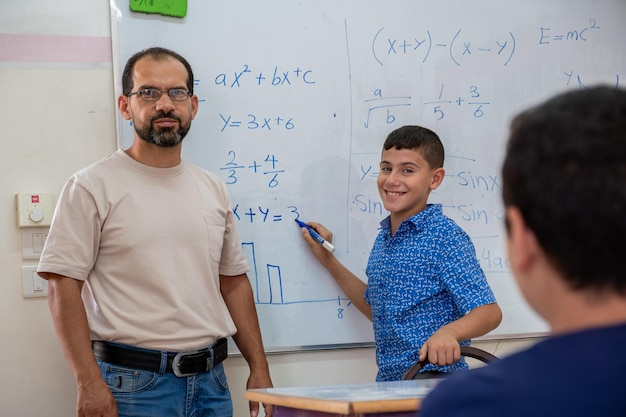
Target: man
[
  {"x": 149, "y": 242},
  {"x": 564, "y": 189}
]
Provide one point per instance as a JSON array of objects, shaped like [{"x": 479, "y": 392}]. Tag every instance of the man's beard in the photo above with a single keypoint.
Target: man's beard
[{"x": 165, "y": 137}]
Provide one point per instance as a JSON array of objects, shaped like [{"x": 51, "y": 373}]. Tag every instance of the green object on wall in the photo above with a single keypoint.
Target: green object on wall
[{"x": 175, "y": 8}]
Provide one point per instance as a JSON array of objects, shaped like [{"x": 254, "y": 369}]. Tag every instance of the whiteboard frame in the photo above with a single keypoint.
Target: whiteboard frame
[{"x": 117, "y": 14}]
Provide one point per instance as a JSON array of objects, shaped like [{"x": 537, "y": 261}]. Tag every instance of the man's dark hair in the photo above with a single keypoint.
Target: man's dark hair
[
  {"x": 565, "y": 170},
  {"x": 418, "y": 138},
  {"x": 157, "y": 54}
]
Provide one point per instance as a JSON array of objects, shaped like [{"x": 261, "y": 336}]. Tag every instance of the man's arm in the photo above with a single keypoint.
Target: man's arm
[
  {"x": 70, "y": 322},
  {"x": 237, "y": 294},
  {"x": 443, "y": 348},
  {"x": 349, "y": 283}
]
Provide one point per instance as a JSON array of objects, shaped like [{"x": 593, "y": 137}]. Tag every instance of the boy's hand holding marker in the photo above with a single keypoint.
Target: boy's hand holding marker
[{"x": 324, "y": 241}]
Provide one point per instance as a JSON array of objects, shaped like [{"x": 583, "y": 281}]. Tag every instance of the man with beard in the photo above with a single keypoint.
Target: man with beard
[{"x": 146, "y": 275}]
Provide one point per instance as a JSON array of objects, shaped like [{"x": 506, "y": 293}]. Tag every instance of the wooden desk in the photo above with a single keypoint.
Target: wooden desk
[{"x": 388, "y": 399}]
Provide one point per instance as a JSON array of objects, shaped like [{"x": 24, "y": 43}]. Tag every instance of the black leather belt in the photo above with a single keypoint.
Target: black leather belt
[{"x": 180, "y": 363}]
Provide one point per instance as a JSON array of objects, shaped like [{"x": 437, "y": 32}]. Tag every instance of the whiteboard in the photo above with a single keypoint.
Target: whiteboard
[{"x": 296, "y": 99}]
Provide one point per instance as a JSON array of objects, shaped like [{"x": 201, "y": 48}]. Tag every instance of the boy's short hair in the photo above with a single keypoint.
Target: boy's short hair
[
  {"x": 565, "y": 170},
  {"x": 419, "y": 138}
]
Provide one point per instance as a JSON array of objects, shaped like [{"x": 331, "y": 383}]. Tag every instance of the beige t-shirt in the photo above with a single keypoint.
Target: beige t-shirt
[{"x": 150, "y": 243}]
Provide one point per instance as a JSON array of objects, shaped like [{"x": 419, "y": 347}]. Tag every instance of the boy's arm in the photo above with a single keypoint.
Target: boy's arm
[
  {"x": 349, "y": 283},
  {"x": 443, "y": 348}
]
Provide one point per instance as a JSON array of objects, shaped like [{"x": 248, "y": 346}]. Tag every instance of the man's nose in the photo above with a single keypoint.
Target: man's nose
[{"x": 165, "y": 103}]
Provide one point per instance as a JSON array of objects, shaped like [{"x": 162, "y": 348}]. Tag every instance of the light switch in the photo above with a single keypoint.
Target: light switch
[
  {"x": 34, "y": 209},
  {"x": 33, "y": 239},
  {"x": 32, "y": 284},
  {"x": 38, "y": 240}
]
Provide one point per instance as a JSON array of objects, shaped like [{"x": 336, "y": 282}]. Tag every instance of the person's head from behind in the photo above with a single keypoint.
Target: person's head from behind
[
  {"x": 564, "y": 180},
  {"x": 411, "y": 167},
  {"x": 157, "y": 95}
]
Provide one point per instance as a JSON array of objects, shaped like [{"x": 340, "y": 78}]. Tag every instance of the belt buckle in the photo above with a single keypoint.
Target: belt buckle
[{"x": 182, "y": 355}]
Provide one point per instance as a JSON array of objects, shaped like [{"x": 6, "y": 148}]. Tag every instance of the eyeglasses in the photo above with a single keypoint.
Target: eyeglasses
[{"x": 154, "y": 94}]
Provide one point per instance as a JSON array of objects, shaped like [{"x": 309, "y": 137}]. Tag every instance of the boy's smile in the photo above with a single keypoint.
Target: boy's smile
[{"x": 404, "y": 182}]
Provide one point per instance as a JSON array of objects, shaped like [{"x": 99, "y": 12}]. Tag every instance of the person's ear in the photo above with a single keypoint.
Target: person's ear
[
  {"x": 522, "y": 241},
  {"x": 437, "y": 178},
  {"x": 123, "y": 105},
  {"x": 194, "y": 106}
]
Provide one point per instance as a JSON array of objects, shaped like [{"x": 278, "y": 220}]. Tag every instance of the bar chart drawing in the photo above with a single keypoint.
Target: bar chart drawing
[{"x": 268, "y": 289}]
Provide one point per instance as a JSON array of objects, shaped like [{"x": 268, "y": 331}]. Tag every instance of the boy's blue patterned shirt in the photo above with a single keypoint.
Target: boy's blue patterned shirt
[{"x": 425, "y": 276}]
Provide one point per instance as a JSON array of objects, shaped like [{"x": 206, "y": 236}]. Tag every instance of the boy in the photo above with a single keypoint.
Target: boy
[
  {"x": 426, "y": 293},
  {"x": 564, "y": 189}
]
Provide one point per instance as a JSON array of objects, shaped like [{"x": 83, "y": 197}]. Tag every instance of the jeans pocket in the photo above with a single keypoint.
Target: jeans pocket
[
  {"x": 220, "y": 377},
  {"x": 122, "y": 380}
]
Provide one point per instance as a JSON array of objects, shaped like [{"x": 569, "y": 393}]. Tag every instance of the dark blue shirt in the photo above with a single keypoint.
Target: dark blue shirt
[
  {"x": 575, "y": 375},
  {"x": 422, "y": 278}
]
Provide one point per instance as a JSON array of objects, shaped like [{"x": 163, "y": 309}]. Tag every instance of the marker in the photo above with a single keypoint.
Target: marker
[{"x": 326, "y": 244}]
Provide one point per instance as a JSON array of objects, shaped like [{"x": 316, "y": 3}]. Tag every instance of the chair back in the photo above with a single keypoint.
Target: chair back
[{"x": 468, "y": 351}]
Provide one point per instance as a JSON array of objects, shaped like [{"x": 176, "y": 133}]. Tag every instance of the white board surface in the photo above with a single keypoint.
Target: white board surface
[{"x": 296, "y": 99}]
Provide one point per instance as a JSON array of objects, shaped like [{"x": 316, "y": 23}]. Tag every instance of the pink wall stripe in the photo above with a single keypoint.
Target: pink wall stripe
[{"x": 42, "y": 48}]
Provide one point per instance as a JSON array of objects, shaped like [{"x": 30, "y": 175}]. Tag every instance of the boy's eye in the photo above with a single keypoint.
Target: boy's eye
[{"x": 385, "y": 169}]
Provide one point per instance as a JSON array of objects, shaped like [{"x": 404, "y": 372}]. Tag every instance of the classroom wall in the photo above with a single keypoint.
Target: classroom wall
[{"x": 57, "y": 86}]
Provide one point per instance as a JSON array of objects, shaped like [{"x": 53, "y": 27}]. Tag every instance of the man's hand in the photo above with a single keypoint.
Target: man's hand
[
  {"x": 95, "y": 400},
  {"x": 259, "y": 381}
]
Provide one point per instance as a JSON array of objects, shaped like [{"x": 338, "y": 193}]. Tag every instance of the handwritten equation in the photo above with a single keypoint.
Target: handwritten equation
[
  {"x": 275, "y": 77},
  {"x": 460, "y": 48},
  {"x": 253, "y": 122},
  {"x": 578, "y": 79},
  {"x": 263, "y": 214},
  {"x": 267, "y": 167},
  {"x": 471, "y": 99},
  {"x": 422, "y": 45},
  {"x": 549, "y": 36}
]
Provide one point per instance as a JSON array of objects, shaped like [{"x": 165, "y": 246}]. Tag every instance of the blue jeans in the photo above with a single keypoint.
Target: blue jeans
[{"x": 140, "y": 393}]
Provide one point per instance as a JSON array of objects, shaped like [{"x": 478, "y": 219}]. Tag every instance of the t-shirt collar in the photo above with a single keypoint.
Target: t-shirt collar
[
  {"x": 419, "y": 219},
  {"x": 153, "y": 171}
]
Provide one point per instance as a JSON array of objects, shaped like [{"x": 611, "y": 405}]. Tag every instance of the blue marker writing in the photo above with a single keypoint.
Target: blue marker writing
[{"x": 326, "y": 244}]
